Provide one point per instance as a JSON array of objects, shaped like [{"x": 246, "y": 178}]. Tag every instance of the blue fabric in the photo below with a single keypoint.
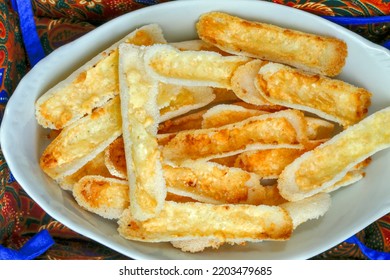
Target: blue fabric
[
  {"x": 358, "y": 20},
  {"x": 33, "y": 248},
  {"x": 387, "y": 44},
  {"x": 3, "y": 94},
  {"x": 30, "y": 36},
  {"x": 368, "y": 252},
  {"x": 361, "y": 20}
]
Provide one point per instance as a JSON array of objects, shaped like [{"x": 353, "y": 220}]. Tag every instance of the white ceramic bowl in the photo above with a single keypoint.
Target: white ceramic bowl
[{"x": 353, "y": 208}]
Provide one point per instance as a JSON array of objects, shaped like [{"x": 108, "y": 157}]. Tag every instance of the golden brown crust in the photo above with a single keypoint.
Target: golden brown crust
[
  {"x": 327, "y": 164},
  {"x": 268, "y": 129},
  {"x": 269, "y": 163},
  {"x": 330, "y": 98},
  {"x": 191, "y": 68},
  {"x": 320, "y": 54},
  {"x": 256, "y": 223},
  {"x": 106, "y": 197},
  {"x": 211, "y": 182},
  {"x": 80, "y": 93},
  {"x": 82, "y": 141}
]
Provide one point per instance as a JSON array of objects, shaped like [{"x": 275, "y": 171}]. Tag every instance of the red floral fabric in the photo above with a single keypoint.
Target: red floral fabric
[
  {"x": 375, "y": 32},
  {"x": 13, "y": 62},
  {"x": 61, "y": 21},
  {"x": 97, "y": 11}
]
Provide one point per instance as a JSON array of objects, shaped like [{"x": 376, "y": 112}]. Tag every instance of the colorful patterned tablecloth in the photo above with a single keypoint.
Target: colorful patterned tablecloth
[{"x": 61, "y": 21}]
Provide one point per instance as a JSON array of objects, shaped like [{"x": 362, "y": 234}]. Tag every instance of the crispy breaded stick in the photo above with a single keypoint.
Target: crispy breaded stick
[
  {"x": 140, "y": 118},
  {"x": 81, "y": 141},
  {"x": 219, "y": 115},
  {"x": 219, "y": 222},
  {"x": 320, "y": 54},
  {"x": 214, "y": 183},
  {"x": 226, "y": 223},
  {"x": 191, "y": 68},
  {"x": 300, "y": 212},
  {"x": 331, "y": 99},
  {"x": 281, "y": 129},
  {"x": 318, "y": 169}
]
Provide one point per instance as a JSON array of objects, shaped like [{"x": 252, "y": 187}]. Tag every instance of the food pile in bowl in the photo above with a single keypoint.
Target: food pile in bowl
[{"x": 238, "y": 136}]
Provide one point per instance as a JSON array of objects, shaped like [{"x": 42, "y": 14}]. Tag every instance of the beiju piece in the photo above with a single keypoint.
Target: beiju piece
[{"x": 140, "y": 118}]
